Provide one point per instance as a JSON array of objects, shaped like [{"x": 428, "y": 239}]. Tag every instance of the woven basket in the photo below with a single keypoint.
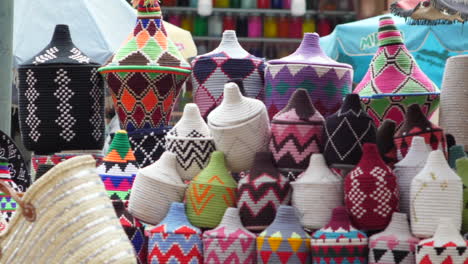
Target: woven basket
[
  {"x": 261, "y": 192},
  {"x": 228, "y": 61},
  {"x": 61, "y": 98},
  {"x": 462, "y": 171},
  {"x": 284, "y": 241},
  {"x": 447, "y": 245},
  {"x": 296, "y": 133},
  {"x": 385, "y": 142},
  {"x": 316, "y": 192},
  {"x": 52, "y": 224},
  {"x": 395, "y": 245},
  {"x": 408, "y": 168},
  {"x": 175, "y": 239},
  {"x": 19, "y": 169},
  {"x": 453, "y": 98},
  {"x": 190, "y": 139},
  {"x": 339, "y": 241},
  {"x": 8, "y": 205},
  {"x": 210, "y": 193},
  {"x": 148, "y": 144},
  {"x": 155, "y": 188},
  {"x": 436, "y": 191},
  {"x": 240, "y": 128},
  {"x": 229, "y": 241},
  {"x": 326, "y": 80},
  {"x": 455, "y": 152}
]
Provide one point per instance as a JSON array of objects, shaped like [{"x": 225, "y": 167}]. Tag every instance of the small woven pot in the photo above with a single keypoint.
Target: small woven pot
[
  {"x": 326, "y": 80},
  {"x": 447, "y": 245},
  {"x": 296, "y": 133},
  {"x": 210, "y": 193},
  {"x": 190, "y": 139},
  {"x": 19, "y": 170},
  {"x": 317, "y": 183},
  {"x": 408, "y": 168},
  {"x": 61, "y": 98},
  {"x": 175, "y": 239},
  {"x": 230, "y": 241},
  {"x": 134, "y": 229},
  {"x": 284, "y": 241},
  {"x": 416, "y": 124},
  {"x": 155, "y": 188},
  {"x": 148, "y": 144},
  {"x": 371, "y": 191},
  {"x": 261, "y": 192},
  {"x": 339, "y": 241},
  {"x": 228, "y": 61},
  {"x": 436, "y": 191},
  {"x": 119, "y": 167},
  {"x": 455, "y": 152},
  {"x": 395, "y": 245},
  {"x": 462, "y": 171},
  {"x": 453, "y": 98},
  {"x": 8, "y": 205},
  {"x": 346, "y": 131},
  {"x": 240, "y": 128}
]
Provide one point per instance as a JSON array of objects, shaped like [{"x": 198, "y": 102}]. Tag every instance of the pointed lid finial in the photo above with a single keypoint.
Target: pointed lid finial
[{"x": 388, "y": 32}]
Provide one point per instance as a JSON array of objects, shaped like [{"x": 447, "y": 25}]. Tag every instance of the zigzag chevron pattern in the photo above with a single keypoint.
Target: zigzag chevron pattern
[
  {"x": 192, "y": 155},
  {"x": 292, "y": 145},
  {"x": 225, "y": 246},
  {"x": 176, "y": 248}
]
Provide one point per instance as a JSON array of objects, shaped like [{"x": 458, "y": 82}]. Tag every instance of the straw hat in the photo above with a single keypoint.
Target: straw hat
[
  {"x": 395, "y": 245},
  {"x": 296, "y": 133},
  {"x": 7, "y": 204},
  {"x": 148, "y": 144},
  {"x": 339, "y": 241},
  {"x": 462, "y": 171},
  {"x": 240, "y": 128},
  {"x": 155, "y": 188},
  {"x": 134, "y": 229},
  {"x": 210, "y": 193},
  {"x": 61, "y": 98},
  {"x": 446, "y": 246},
  {"x": 146, "y": 73},
  {"x": 190, "y": 139},
  {"x": 371, "y": 191},
  {"x": 416, "y": 124},
  {"x": 394, "y": 80},
  {"x": 436, "y": 191},
  {"x": 408, "y": 168},
  {"x": 175, "y": 239},
  {"x": 228, "y": 61},
  {"x": 261, "y": 192},
  {"x": 453, "y": 98},
  {"x": 229, "y": 241},
  {"x": 317, "y": 183},
  {"x": 346, "y": 131},
  {"x": 119, "y": 167},
  {"x": 284, "y": 241},
  {"x": 326, "y": 80}
]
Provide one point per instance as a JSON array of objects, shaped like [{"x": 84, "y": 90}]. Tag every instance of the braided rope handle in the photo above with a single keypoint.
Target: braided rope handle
[{"x": 29, "y": 212}]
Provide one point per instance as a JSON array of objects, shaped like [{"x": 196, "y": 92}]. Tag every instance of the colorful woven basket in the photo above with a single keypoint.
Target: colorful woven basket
[
  {"x": 61, "y": 98},
  {"x": 462, "y": 171},
  {"x": 346, "y": 131},
  {"x": 190, "y": 139},
  {"x": 436, "y": 191},
  {"x": 230, "y": 242},
  {"x": 395, "y": 245},
  {"x": 296, "y": 133},
  {"x": 339, "y": 242},
  {"x": 387, "y": 147},
  {"x": 408, "y": 168},
  {"x": 175, "y": 240},
  {"x": 147, "y": 72},
  {"x": 8, "y": 205},
  {"x": 134, "y": 229},
  {"x": 18, "y": 168},
  {"x": 416, "y": 124},
  {"x": 316, "y": 192},
  {"x": 284, "y": 241},
  {"x": 394, "y": 80},
  {"x": 119, "y": 167},
  {"x": 210, "y": 193},
  {"x": 326, "y": 80},
  {"x": 148, "y": 144},
  {"x": 371, "y": 191},
  {"x": 261, "y": 192},
  {"x": 155, "y": 188},
  {"x": 447, "y": 245},
  {"x": 453, "y": 98},
  {"x": 240, "y": 128},
  {"x": 228, "y": 61}
]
